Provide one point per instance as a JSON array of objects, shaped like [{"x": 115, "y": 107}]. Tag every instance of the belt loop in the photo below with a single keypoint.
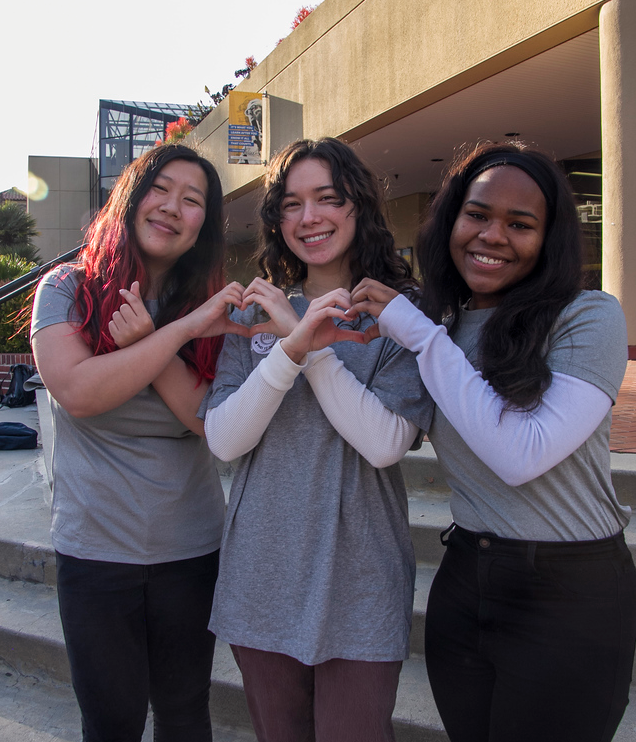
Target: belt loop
[
  {"x": 444, "y": 536},
  {"x": 531, "y": 553}
]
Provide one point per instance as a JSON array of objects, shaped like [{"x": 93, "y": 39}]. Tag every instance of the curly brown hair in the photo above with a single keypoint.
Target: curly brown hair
[{"x": 372, "y": 252}]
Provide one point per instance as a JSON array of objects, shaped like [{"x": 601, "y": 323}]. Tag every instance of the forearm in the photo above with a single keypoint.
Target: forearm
[
  {"x": 518, "y": 445},
  {"x": 178, "y": 388},
  {"x": 380, "y": 435},
  {"x": 237, "y": 425},
  {"x": 87, "y": 385}
]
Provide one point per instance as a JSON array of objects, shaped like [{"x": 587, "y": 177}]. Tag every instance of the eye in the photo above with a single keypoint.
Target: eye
[
  {"x": 159, "y": 187},
  {"x": 520, "y": 225},
  {"x": 195, "y": 201},
  {"x": 287, "y": 205},
  {"x": 476, "y": 215}
]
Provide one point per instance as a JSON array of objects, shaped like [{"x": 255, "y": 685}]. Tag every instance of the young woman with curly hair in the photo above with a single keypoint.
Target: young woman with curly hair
[
  {"x": 531, "y": 621},
  {"x": 316, "y": 582},
  {"x": 137, "y": 503}
]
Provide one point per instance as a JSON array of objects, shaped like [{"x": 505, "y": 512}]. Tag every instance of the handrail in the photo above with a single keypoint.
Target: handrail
[{"x": 23, "y": 283}]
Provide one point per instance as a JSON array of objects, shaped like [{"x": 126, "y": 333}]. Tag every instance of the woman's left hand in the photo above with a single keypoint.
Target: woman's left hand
[
  {"x": 131, "y": 321},
  {"x": 317, "y": 329},
  {"x": 372, "y": 297},
  {"x": 212, "y": 318}
]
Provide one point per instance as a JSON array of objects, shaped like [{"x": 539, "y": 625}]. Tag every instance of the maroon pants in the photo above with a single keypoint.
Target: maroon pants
[{"x": 336, "y": 701}]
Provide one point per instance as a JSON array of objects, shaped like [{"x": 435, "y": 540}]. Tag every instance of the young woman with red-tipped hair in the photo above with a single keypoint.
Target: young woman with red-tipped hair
[{"x": 137, "y": 503}]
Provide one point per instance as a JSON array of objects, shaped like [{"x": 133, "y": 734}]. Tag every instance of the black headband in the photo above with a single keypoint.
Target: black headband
[{"x": 516, "y": 159}]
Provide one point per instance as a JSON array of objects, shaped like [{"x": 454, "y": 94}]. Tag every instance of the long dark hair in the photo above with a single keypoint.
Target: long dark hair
[
  {"x": 512, "y": 344},
  {"x": 112, "y": 259},
  {"x": 372, "y": 253}
]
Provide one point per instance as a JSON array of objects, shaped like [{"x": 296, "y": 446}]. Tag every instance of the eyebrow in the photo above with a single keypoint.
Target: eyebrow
[
  {"x": 514, "y": 212},
  {"x": 317, "y": 190},
  {"x": 191, "y": 187}
]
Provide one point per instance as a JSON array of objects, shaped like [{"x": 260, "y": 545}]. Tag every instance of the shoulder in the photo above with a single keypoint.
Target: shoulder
[
  {"x": 63, "y": 276},
  {"x": 55, "y": 297},
  {"x": 600, "y": 303},
  {"x": 593, "y": 312},
  {"x": 589, "y": 341}
]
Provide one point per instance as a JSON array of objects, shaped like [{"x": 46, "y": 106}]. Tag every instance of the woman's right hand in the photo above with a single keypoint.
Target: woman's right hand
[
  {"x": 283, "y": 317},
  {"x": 317, "y": 329},
  {"x": 131, "y": 321}
]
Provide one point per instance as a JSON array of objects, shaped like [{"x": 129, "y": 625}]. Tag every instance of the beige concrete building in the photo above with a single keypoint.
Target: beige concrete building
[
  {"x": 406, "y": 81},
  {"x": 60, "y": 204}
]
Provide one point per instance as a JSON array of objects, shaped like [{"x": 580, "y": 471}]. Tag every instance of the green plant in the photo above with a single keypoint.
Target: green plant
[
  {"x": 17, "y": 230},
  {"x": 15, "y": 314}
]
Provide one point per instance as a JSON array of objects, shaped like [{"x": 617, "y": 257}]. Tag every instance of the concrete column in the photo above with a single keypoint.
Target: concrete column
[{"x": 617, "y": 27}]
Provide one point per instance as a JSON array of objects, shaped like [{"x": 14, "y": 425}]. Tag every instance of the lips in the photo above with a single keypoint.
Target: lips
[
  {"x": 162, "y": 226},
  {"x": 486, "y": 260},
  {"x": 316, "y": 238}
]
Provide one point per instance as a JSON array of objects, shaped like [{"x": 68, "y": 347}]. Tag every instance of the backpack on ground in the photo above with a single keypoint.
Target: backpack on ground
[
  {"x": 16, "y": 396},
  {"x": 17, "y": 435}
]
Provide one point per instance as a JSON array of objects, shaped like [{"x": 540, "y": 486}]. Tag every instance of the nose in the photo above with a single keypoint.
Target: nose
[
  {"x": 494, "y": 233},
  {"x": 170, "y": 204},
  {"x": 310, "y": 214}
]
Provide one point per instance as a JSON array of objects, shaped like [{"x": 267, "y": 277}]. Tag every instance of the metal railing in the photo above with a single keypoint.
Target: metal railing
[{"x": 24, "y": 283}]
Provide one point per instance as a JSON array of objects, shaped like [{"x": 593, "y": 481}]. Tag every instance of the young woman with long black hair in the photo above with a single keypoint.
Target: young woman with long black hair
[
  {"x": 531, "y": 621},
  {"x": 137, "y": 503}
]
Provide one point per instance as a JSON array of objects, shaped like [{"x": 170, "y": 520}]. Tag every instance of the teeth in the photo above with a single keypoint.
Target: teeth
[
  {"x": 317, "y": 238},
  {"x": 487, "y": 261}
]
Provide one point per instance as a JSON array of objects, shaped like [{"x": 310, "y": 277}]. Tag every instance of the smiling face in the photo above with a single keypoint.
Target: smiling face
[
  {"x": 171, "y": 214},
  {"x": 316, "y": 226},
  {"x": 498, "y": 234}
]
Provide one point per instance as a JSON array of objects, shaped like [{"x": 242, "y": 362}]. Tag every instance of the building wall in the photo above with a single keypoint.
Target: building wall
[
  {"x": 63, "y": 213},
  {"x": 336, "y": 91},
  {"x": 354, "y": 67}
]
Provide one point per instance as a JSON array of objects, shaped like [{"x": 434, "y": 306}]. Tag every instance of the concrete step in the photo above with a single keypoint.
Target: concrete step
[
  {"x": 32, "y": 645},
  {"x": 37, "y": 705},
  {"x": 36, "y": 708}
]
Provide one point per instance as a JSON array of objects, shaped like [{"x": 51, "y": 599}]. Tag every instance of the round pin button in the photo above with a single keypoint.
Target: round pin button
[{"x": 484, "y": 543}]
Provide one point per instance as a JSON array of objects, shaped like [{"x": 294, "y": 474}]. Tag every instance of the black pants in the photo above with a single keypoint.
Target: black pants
[
  {"x": 136, "y": 634},
  {"x": 531, "y": 641}
]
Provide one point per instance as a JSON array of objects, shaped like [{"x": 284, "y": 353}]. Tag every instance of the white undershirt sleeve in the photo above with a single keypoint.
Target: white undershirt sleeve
[
  {"x": 378, "y": 434},
  {"x": 518, "y": 445},
  {"x": 238, "y": 423}
]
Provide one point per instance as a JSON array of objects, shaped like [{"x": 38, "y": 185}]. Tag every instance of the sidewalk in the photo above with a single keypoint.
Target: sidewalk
[{"x": 623, "y": 433}]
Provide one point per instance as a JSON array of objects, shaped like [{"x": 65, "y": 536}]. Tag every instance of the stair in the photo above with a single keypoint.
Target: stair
[{"x": 36, "y": 700}]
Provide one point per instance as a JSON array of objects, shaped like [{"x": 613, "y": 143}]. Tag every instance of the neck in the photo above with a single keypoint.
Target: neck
[{"x": 319, "y": 283}]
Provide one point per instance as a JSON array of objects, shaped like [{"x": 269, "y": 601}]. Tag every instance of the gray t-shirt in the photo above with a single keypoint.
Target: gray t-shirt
[
  {"x": 317, "y": 561},
  {"x": 575, "y": 500},
  {"x": 133, "y": 484}
]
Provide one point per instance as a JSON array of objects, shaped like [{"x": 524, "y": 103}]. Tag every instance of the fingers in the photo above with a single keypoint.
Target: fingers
[
  {"x": 351, "y": 335},
  {"x": 234, "y": 328},
  {"x": 374, "y": 291},
  {"x": 371, "y": 333},
  {"x": 135, "y": 289},
  {"x": 365, "y": 307}
]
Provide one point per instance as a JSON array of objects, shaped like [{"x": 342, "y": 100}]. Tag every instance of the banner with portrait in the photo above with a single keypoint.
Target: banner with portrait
[{"x": 245, "y": 134}]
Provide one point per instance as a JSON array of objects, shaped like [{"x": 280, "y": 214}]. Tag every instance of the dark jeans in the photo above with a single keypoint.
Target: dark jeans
[
  {"x": 335, "y": 701},
  {"x": 136, "y": 634},
  {"x": 530, "y": 641}
]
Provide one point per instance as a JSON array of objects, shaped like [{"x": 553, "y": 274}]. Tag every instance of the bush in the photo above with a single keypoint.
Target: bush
[
  {"x": 15, "y": 314},
  {"x": 17, "y": 230}
]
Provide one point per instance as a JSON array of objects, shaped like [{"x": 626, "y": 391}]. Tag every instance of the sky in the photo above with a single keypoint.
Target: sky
[{"x": 61, "y": 57}]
